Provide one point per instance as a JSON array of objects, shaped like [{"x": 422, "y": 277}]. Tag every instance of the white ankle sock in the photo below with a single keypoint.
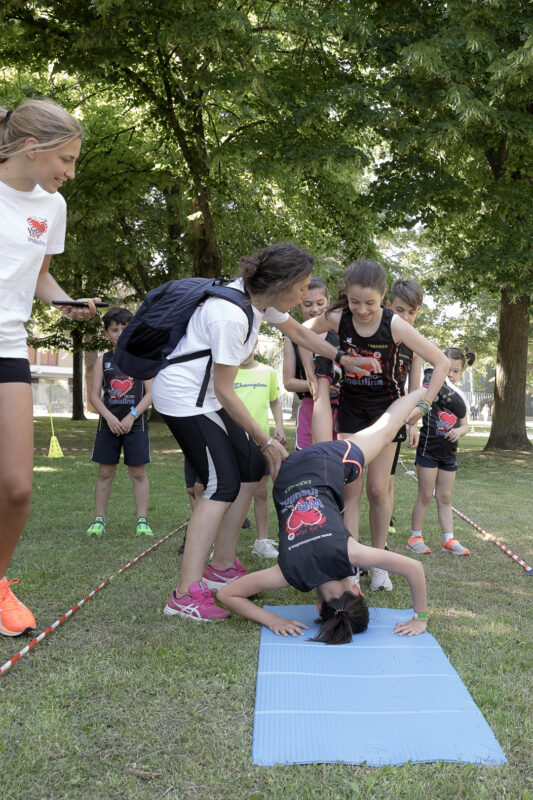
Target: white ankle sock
[{"x": 447, "y": 537}]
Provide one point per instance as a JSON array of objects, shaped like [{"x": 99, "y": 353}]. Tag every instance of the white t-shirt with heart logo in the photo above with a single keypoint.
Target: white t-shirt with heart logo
[{"x": 32, "y": 225}]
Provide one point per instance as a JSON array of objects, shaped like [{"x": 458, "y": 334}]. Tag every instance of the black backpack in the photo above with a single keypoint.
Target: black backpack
[{"x": 161, "y": 321}]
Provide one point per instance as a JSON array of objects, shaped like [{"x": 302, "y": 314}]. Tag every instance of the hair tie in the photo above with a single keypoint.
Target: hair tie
[
  {"x": 338, "y": 611},
  {"x": 8, "y": 115}
]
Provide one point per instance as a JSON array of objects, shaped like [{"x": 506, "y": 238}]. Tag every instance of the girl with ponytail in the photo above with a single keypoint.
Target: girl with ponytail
[
  {"x": 316, "y": 551},
  {"x": 39, "y": 145}
]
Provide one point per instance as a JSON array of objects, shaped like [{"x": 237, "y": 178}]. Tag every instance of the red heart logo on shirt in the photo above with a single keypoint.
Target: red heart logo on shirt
[
  {"x": 121, "y": 385},
  {"x": 448, "y": 418},
  {"x": 37, "y": 227}
]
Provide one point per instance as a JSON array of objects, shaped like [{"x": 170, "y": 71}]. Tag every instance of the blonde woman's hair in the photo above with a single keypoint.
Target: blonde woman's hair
[{"x": 43, "y": 120}]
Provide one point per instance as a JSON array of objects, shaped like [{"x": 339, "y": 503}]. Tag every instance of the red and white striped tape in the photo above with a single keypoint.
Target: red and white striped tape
[
  {"x": 528, "y": 569},
  {"x": 87, "y": 449},
  {"x": 54, "y": 625}
]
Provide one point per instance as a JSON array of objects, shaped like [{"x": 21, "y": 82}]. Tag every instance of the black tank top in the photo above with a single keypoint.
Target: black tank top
[
  {"x": 380, "y": 389},
  {"x": 309, "y": 499},
  {"x": 120, "y": 392}
]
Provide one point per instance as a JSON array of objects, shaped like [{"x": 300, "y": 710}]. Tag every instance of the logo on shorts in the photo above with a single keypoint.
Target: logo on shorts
[
  {"x": 119, "y": 387},
  {"x": 37, "y": 226},
  {"x": 306, "y": 512}
]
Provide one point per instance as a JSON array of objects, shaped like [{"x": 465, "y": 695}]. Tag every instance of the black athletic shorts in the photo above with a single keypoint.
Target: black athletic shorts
[
  {"x": 353, "y": 420},
  {"x": 108, "y": 446},
  {"x": 15, "y": 370},
  {"x": 219, "y": 451}
]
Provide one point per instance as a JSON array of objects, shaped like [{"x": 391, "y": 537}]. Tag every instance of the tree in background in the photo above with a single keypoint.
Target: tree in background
[{"x": 452, "y": 89}]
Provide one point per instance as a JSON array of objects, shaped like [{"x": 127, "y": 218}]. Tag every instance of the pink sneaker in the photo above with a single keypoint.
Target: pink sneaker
[
  {"x": 197, "y": 604},
  {"x": 216, "y": 577}
]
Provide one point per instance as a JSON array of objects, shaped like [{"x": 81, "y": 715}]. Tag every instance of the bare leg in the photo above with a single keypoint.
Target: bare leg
[
  {"x": 201, "y": 531},
  {"x": 427, "y": 478},
  {"x": 16, "y": 465},
  {"x": 377, "y": 489},
  {"x": 230, "y": 527},
  {"x": 443, "y": 496},
  {"x": 102, "y": 489},
  {"x": 261, "y": 508},
  {"x": 141, "y": 489}
]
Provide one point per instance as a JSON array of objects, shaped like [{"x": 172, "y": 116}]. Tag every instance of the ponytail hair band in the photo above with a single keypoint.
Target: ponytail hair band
[{"x": 8, "y": 115}]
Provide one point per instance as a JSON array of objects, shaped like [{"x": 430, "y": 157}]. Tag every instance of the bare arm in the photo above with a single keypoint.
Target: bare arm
[
  {"x": 290, "y": 381},
  {"x": 224, "y": 377},
  {"x": 322, "y": 418},
  {"x": 126, "y": 423},
  {"x": 414, "y": 378},
  {"x": 277, "y": 413},
  {"x": 362, "y": 556},
  {"x": 235, "y": 596},
  {"x": 48, "y": 289},
  {"x": 403, "y": 332}
]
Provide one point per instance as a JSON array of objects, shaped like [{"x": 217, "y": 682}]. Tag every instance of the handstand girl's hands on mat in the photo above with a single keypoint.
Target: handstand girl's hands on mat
[{"x": 411, "y": 628}]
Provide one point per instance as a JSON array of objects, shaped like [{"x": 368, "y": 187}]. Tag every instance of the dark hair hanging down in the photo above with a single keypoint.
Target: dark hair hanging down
[
  {"x": 275, "y": 268},
  {"x": 341, "y": 618},
  {"x": 468, "y": 356}
]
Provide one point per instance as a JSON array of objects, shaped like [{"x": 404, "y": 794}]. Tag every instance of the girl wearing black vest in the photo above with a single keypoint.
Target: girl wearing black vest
[
  {"x": 367, "y": 329},
  {"x": 315, "y": 548}
]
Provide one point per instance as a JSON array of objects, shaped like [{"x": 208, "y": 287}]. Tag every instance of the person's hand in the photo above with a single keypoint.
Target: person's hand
[
  {"x": 280, "y": 435},
  {"x": 287, "y": 627},
  {"x": 413, "y": 436},
  {"x": 274, "y": 454},
  {"x": 413, "y": 416},
  {"x": 411, "y": 628},
  {"x": 126, "y": 423},
  {"x": 453, "y": 435},
  {"x": 77, "y": 314},
  {"x": 312, "y": 383},
  {"x": 113, "y": 424},
  {"x": 361, "y": 365}
]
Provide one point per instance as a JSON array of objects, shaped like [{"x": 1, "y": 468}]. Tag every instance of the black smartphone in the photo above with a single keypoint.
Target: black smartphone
[{"x": 78, "y": 303}]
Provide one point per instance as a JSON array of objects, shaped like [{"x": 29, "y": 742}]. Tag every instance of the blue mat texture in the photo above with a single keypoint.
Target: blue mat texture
[{"x": 380, "y": 700}]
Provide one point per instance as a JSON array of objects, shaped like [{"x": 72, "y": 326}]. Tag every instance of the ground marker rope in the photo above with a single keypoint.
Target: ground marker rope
[
  {"x": 528, "y": 569},
  {"x": 54, "y": 625}
]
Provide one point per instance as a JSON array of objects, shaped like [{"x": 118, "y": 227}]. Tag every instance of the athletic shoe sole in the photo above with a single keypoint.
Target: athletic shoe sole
[{"x": 174, "y": 613}]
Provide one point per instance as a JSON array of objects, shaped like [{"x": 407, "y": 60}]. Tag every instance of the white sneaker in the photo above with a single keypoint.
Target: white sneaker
[
  {"x": 355, "y": 579},
  {"x": 380, "y": 580},
  {"x": 265, "y": 548}
]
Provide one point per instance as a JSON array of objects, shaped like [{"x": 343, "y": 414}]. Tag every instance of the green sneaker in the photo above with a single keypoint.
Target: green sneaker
[
  {"x": 143, "y": 529},
  {"x": 97, "y": 528}
]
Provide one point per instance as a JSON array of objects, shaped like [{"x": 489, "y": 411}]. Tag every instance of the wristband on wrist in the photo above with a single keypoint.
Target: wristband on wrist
[
  {"x": 424, "y": 405},
  {"x": 421, "y": 616},
  {"x": 134, "y": 413},
  {"x": 339, "y": 355},
  {"x": 267, "y": 444}
]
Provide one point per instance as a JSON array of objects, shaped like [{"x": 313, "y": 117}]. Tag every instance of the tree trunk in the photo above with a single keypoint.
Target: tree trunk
[
  {"x": 90, "y": 360},
  {"x": 508, "y": 430},
  {"x": 77, "y": 375}
]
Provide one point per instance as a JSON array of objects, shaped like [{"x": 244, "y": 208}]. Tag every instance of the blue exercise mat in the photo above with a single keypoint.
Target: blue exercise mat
[{"x": 380, "y": 699}]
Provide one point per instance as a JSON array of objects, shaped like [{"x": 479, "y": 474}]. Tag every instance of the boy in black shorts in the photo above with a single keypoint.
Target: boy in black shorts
[{"x": 121, "y": 402}]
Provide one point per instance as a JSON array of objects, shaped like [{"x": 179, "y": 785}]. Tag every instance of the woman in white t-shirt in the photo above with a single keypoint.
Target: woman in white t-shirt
[
  {"x": 221, "y": 441},
  {"x": 39, "y": 144}
]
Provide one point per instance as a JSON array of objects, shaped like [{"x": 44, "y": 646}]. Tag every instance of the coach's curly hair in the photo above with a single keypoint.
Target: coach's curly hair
[
  {"x": 275, "y": 268},
  {"x": 341, "y": 617}
]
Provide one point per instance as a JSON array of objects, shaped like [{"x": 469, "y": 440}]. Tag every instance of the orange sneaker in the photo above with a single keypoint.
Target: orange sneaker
[
  {"x": 15, "y": 618},
  {"x": 455, "y": 547}
]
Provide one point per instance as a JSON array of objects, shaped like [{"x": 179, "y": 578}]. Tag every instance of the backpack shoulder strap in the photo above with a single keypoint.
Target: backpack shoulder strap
[{"x": 241, "y": 299}]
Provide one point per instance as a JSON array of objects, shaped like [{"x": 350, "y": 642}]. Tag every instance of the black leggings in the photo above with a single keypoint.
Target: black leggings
[{"x": 219, "y": 451}]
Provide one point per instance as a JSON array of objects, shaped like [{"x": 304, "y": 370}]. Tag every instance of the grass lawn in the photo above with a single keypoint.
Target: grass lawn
[{"x": 120, "y": 685}]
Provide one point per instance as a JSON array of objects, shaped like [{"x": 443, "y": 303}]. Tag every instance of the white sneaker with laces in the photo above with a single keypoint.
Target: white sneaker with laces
[
  {"x": 265, "y": 548},
  {"x": 380, "y": 580}
]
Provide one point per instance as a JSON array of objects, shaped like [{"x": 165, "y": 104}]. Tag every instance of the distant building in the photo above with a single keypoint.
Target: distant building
[{"x": 51, "y": 380}]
